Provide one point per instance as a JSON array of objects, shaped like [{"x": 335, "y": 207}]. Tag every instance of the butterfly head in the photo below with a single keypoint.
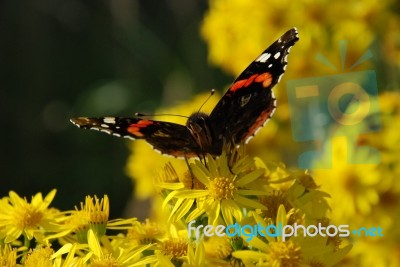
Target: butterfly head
[{"x": 198, "y": 125}]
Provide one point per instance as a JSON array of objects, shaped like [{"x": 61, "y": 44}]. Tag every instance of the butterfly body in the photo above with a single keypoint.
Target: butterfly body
[{"x": 244, "y": 109}]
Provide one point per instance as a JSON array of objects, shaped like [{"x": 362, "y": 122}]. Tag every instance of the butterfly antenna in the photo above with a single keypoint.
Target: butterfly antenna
[
  {"x": 208, "y": 98},
  {"x": 138, "y": 114}
]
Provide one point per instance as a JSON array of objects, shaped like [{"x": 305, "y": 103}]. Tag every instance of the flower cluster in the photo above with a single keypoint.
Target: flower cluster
[
  {"x": 367, "y": 194},
  {"x": 233, "y": 188},
  {"x": 223, "y": 192},
  {"x": 33, "y": 234},
  {"x": 239, "y": 27},
  {"x": 245, "y": 28},
  {"x": 364, "y": 194}
]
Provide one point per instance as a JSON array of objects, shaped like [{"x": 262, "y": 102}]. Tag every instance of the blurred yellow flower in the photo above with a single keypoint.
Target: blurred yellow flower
[
  {"x": 353, "y": 187},
  {"x": 366, "y": 194},
  {"x": 243, "y": 28}
]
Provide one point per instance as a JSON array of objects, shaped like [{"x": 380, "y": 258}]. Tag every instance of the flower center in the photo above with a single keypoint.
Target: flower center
[
  {"x": 285, "y": 254},
  {"x": 146, "y": 232},
  {"x": 28, "y": 217},
  {"x": 96, "y": 209},
  {"x": 96, "y": 212},
  {"x": 175, "y": 247},
  {"x": 39, "y": 257},
  {"x": 221, "y": 188},
  {"x": 218, "y": 248},
  {"x": 106, "y": 261}
]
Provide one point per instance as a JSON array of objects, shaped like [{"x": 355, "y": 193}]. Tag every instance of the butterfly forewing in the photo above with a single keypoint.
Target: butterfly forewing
[
  {"x": 166, "y": 137},
  {"x": 250, "y": 102}
]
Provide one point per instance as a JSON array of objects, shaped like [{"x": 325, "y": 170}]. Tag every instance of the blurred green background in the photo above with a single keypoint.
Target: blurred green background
[{"x": 60, "y": 59}]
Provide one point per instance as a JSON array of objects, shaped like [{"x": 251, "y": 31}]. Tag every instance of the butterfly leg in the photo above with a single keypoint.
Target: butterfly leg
[
  {"x": 235, "y": 151},
  {"x": 202, "y": 158},
  {"x": 191, "y": 172}
]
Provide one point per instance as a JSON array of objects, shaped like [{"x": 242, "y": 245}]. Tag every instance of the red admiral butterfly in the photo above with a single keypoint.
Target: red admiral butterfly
[{"x": 241, "y": 112}]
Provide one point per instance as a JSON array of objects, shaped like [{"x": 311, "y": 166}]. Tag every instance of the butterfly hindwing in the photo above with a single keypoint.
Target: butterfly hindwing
[
  {"x": 249, "y": 101},
  {"x": 166, "y": 137}
]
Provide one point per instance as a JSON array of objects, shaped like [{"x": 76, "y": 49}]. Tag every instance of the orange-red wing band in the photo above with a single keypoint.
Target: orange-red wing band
[
  {"x": 264, "y": 78},
  {"x": 265, "y": 115},
  {"x": 135, "y": 127}
]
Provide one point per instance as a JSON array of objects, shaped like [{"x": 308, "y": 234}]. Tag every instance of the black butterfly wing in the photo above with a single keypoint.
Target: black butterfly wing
[
  {"x": 166, "y": 137},
  {"x": 250, "y": 102}
]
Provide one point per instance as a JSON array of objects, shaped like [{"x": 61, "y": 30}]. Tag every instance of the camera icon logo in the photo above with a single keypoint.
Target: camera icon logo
[{"x": 330, "y": 106}]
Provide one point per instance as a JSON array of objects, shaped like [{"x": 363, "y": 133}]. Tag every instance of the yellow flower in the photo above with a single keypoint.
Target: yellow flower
[
  {"x": 116, "y": 256},
  {"x": 218, "y": 248},
  {"x": 229, "y": 30},
  {"x": 385, "y": 211},
  {"x": 172, "y": 249},
  {"x": 93, "y": 214},
  {"x": 40, "y": 257},
  {"x": 296, "y": 251},
  {"x": 353, "y": 187},
  {"x": 145, "y": 233},
  {"x": 96, "y": 211},
  {"x": 19, "y": 217},
  {"x": 244, "y": 28},
  {"x": 224, "y": 192},
  {"x": 378, "y": 252}
]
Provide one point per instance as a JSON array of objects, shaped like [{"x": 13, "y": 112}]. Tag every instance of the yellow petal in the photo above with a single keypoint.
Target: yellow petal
[
  {"x": 249, "y": 202},
  {"x": 94, "y": 244},
  {"x": 248, "y": 178}
]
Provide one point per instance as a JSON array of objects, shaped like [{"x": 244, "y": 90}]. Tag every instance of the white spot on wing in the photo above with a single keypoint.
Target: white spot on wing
[
  {"x": 297, "y": 33},
  {"x": 263, "y": 58},
  {"x": 274, "y": 98},
  {"x": 277, "y": 55},
  {"x": 110, "y": 120},
  {"x": 272, "y": 112},
  {"x": 259, "y": 128},
  {"x": 248, "y": 139},
  {"x": 104, "y": 125},
  {"x": 270, "y": 65}
]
